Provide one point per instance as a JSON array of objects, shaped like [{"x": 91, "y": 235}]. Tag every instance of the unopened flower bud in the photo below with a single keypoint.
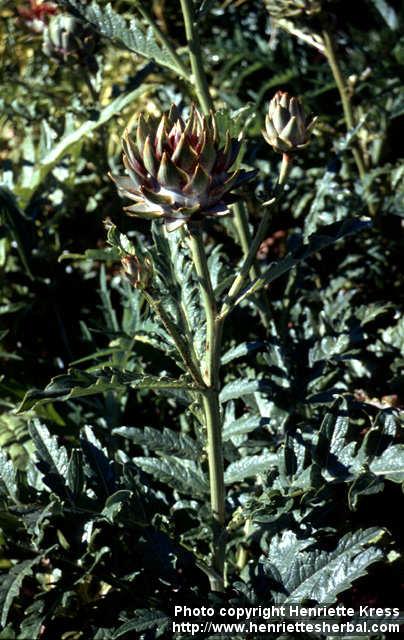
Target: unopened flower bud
[{"x": 286, "y": 127}]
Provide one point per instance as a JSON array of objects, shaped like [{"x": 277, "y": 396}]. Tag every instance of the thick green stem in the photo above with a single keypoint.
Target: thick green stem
[
  {"x": 195, "y": 55},
  {"x": 211, "y": 406},
  {"x": 286, "y": 165},
  {"x": 243, "y": 232},
  {"x": 216, "y": 483},
  {"x": 346, "y": 105},
  {"x": 241, "y": 279},
  {"x": 339, "y": 80},
  {"x": 209, "y": 373},
  {"x": 254, "y": 244},
  {"x": 244, "y": 235}
]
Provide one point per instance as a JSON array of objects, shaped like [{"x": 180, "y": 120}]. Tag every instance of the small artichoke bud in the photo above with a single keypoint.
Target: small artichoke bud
[
  {"x": 292, "y": 8},
  {"x": 66, "y": 38},
  {"x": 286, "y": 127},
  {"x": 178, "y": 170},
  {"x": 138, "y": 272}
]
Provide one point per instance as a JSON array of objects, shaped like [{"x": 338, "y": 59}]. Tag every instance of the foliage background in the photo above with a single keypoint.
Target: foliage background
[{"x": 312, "y": 400}]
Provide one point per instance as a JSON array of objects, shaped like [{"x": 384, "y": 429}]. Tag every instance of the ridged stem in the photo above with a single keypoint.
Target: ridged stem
[
  {"x": 240, "y": 280},
  {"x": 211, "y": 406},
  {"x": 210, "y": 374},
  {"x": 216, "y": 482},
  {"x": 243, "y": 232},
  {"x": 195, "y": 55},
  {"x": 346, "y": 106},
  {"x": 286, "y": 166},
  {"x": 244, "y": 235},
  {"x": 201, "y": 267}
]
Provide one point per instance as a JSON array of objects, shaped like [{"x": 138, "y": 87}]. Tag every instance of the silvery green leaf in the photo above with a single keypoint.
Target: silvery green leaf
[
  {"x": 388, "y": 13},
  {"x": 241, "y": 388},
  {"x": 249, "y": 466},
  {"x": 11, "y": 583},
  {"x": 48, "y": 450},
  {"x": 144, "y": 621},
  {"x": 314, "y": 574},
  {"x": 8, "y": 475},
  {"x": 390, "y": 464},
  {"x": 132, "y": 36},
  {"x": 242, "y": 349},
  {"x": 183, "y": 475},
  {"x": 164, "y": 441},
  {"x": 243, "y": 425}
]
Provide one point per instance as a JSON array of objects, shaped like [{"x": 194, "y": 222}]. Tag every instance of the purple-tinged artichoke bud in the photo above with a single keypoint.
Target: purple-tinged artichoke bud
[
  {"x": 138, "y": 272},
  {"x": 177, "y": 170},
  {"x": 292, "y": 8},
  {"x": 286, "y": 126}
]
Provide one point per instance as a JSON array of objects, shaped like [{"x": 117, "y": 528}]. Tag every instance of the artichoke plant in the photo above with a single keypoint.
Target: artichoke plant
[
  {"x": 178, "y": 170},
  {"x": 286, "y": 126},
  {"x": 292, "y": 8}
]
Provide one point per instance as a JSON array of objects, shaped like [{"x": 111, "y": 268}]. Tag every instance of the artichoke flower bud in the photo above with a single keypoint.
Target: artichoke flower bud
[
  {"x": 286, "y": 126},
  {"x": 139, "y": 272},
  {"x": 67, "y": 38},
  {"x": 292, "y": 8},
  {"x": 177, "y": 170}
]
